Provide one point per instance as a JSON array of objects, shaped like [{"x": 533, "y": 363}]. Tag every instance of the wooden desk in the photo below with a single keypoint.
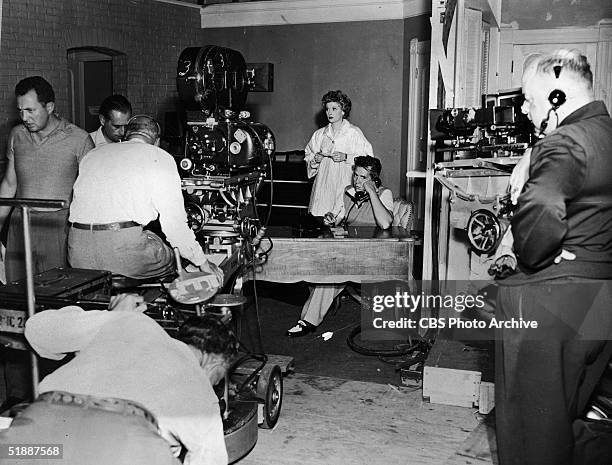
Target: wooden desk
[{"x": 367, "y": 254}]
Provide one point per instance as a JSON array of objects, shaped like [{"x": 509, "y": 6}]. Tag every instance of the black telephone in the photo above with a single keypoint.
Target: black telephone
[{"x": 361, "y": 196}]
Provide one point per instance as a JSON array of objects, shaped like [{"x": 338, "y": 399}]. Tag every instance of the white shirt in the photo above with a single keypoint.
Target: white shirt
[
  {"x": 98, "y": 137},
  {"x": 128, "y": 355},
  {"x": 332, "y": 177},
  {"x": 134, "y": 181}
]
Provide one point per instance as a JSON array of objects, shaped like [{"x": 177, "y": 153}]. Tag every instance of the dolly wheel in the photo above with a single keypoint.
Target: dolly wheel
[
  {"x": 484, "y": 231},
  {"x": 270, "y": 389}
]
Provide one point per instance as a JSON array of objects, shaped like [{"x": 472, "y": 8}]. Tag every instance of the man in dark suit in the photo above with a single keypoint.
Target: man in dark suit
[{"x": 563, "y": 241}]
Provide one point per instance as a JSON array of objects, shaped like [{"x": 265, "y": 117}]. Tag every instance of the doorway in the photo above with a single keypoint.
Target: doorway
[{"x": 91, "y": 74}]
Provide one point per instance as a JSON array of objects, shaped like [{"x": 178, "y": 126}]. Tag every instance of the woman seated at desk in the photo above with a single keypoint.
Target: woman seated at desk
[{"x": 366, "y": 203}]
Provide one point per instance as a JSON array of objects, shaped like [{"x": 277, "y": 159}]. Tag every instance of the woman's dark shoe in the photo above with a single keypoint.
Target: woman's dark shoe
[{"x": 300, "y": 329}]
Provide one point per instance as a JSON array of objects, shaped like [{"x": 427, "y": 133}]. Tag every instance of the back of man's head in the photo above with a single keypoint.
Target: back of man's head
[
  {"x": 43, "y": 89},
  {"x": 568, "y": 70},
  {"x": 115, "y": 102},
  {"x": 209, "y": 335},
  {"x": 569, "y": 62},
  {"x": 142, "y": 127}
]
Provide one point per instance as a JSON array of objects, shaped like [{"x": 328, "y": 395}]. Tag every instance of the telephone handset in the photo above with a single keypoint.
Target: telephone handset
[{"x": 361, "y": 196}]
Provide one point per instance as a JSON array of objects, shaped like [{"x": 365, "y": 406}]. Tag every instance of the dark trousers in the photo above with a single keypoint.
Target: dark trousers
[
  {"x": 544, "y": 378},
  {"x": 16, "y": 374}
]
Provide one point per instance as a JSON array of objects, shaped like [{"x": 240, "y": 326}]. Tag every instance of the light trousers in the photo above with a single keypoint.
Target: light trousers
[{"x": 319, "y": 301}]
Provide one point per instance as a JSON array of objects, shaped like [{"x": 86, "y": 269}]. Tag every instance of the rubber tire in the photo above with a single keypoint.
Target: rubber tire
[{"x": 270, "y": 389}]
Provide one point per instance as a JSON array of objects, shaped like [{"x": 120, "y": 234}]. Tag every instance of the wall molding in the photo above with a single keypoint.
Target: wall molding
[
  {"x": 600, "y": 31},
  {"x": 596, "y": 42},
  {"x": 179, "y": 3},
  {"x": 284, "y": 12}
]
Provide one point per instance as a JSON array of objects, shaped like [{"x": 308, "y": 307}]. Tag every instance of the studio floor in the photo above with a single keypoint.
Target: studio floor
[{"x": 341, "y": 407}]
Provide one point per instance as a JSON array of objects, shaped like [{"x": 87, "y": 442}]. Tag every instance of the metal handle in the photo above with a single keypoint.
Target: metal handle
[
  {"x": 25, "y": 205},
  {"x": 33, "y": 203}
]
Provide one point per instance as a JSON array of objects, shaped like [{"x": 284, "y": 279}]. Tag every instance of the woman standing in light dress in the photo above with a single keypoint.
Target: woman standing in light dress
[{"x": 330, "y": 155}]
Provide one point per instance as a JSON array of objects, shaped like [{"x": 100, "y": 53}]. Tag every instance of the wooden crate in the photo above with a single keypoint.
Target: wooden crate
[{"x": 459, "y": 374}]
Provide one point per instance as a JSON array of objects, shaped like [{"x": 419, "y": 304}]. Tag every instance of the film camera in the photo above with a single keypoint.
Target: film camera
[
  {"x": 225, "y": 155},
  {"x": 474, "y": 148},
  {"x": 213, "y": 84},
  {"x": 498, "y": 129}
]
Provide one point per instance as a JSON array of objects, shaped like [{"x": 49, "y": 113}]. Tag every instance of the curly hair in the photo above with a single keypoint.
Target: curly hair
[
  {"x": 209, "y": 334},
  {"x": 40, "y": 85},
  {"x": 372, "y": 164},
  {"x": 340, "y": 97}
]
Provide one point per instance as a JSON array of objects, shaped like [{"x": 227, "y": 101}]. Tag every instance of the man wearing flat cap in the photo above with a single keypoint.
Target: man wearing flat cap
[{"x": 120, "y": 188}]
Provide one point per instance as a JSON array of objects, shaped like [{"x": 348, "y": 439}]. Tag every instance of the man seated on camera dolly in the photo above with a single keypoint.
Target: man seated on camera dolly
[
  {"x": 366, "y": 203},
  {"x": 120, "y": 188},
  {"x": 129, "y": 387}
]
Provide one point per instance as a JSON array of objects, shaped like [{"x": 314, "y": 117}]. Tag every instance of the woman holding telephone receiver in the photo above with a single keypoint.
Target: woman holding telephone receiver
[
  {"x": 365, "y": 203},
  {"x": 330, "y": 154}
]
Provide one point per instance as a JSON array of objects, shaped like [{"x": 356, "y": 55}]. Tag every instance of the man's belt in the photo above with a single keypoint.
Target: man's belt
[
  {"x": 109, "y": 404},
  {"x": 105, "y": 226}
]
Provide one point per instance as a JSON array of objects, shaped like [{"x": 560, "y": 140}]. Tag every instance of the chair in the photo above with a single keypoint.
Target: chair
[{"x": 402, "y": 213}]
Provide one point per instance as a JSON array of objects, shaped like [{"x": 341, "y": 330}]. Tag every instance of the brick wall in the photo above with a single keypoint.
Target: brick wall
[
  {"x": 36, "y": 35},
  {"x": 368, "y": 60}
]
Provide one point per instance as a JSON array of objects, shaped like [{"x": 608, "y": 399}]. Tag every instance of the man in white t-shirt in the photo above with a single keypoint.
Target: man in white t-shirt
[{"x": 120, "y": 189}]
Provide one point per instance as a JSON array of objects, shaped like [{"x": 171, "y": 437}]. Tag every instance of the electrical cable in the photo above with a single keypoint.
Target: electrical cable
[
  {"x": 263, "y": 358},
  {"x": 364, "y": 350},
  {"x": 271, "y": 165},
  {"x": 256, "y": 241},
  {"x": 344, "y": 222},
  {"x": 544, "y": 123}
]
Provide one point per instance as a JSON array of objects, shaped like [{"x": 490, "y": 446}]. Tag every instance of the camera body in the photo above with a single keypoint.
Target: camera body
[
  {"x": 225, "y": 154},
  {"x": 497, "y": 129},
  {"x": 475, "y": 151},
  {"x": 221, "y": 140},
  {"x": 225, "y": 147}
]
